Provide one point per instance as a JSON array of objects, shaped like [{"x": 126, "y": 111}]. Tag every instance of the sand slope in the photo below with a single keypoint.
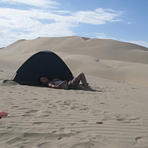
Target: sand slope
[
  {"x": 49, "y": 118},
  {"x": 99, "y": 48},
  {"x": 109, "y": 59}
]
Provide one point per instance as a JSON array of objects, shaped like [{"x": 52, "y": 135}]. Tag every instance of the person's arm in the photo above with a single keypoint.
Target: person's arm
[{"x": 57, "y": 86}]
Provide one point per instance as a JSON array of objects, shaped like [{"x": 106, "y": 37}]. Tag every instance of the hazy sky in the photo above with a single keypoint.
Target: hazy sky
[{"x": 123, "y": 20}]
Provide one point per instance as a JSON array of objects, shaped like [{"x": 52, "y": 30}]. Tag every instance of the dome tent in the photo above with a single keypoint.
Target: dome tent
[{"x": 42, "y": 64}]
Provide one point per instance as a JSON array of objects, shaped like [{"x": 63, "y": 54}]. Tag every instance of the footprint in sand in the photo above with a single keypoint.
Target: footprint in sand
[
  {"x": 141, "y": 140},
  {"x": 43, "y": 123},
  {"x": 29, "y": 112},
  {"x": 48, "y": 144}
]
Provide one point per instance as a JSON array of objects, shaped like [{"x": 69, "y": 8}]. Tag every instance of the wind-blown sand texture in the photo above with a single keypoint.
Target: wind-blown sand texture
[{"x": 42, "y": 117}]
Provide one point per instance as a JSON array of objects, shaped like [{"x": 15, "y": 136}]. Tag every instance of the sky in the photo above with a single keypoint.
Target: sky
[{"x": 122, "y": 20}]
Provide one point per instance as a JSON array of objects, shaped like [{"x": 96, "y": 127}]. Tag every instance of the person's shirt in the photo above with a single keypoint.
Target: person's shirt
[{"x": 64, "y": 86}]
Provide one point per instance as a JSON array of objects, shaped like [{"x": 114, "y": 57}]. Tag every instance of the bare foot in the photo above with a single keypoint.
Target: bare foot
[{"x": 88, "y": 88}]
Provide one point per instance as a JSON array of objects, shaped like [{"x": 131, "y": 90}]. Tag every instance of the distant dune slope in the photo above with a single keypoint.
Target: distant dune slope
[{"x": 99, "y": 48}]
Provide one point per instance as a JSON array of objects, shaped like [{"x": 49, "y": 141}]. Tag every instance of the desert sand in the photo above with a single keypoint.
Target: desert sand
[{"x": 113, "y": 116}]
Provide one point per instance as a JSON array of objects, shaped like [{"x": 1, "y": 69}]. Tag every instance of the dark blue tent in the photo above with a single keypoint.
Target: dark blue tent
[{"x": 42, "y": 64}]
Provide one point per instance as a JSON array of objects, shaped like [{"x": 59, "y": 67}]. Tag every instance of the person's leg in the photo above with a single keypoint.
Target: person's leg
[{"x": 81, "y": 77}]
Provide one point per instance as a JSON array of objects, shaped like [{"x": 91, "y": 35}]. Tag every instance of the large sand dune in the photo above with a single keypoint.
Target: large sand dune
[
  {"x": 109, "y": 59},
  {"x": 54, "y": 118}
]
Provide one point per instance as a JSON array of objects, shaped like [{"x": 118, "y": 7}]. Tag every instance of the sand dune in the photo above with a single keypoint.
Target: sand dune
[
  {"x": 49, "y": 118},
  {"x": 99, "y": 48},
  {"x": 109, "y": 59}
]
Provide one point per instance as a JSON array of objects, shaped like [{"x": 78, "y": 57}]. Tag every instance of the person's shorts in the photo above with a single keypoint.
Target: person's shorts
[{"x": 73, "y": 84}]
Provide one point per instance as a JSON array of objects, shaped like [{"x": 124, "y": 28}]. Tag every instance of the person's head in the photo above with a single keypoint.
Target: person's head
[{"x": 44, "y": 80}]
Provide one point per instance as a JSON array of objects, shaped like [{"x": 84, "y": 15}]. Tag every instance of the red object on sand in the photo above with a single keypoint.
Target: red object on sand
[{"x": 3, "y": 114}]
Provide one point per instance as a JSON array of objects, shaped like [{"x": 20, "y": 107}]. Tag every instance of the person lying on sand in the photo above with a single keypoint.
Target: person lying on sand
[{"x": 72, "y": 84}]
